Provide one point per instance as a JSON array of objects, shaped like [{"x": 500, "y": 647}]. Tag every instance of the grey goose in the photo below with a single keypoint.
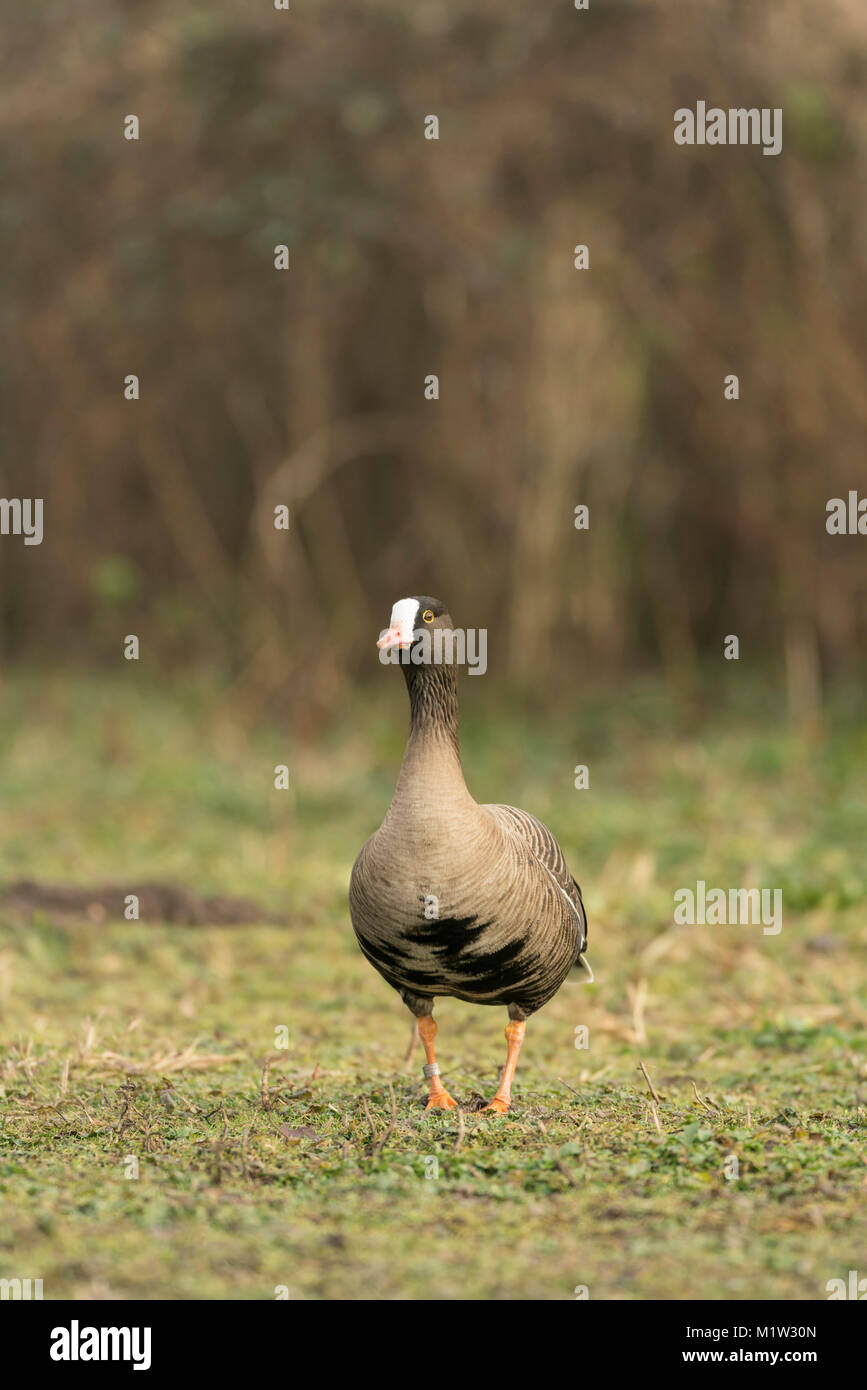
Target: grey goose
[{"x": 450, "y": 897}]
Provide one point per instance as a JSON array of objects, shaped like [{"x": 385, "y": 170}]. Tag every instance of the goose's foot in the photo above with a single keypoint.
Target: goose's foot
[
  {"x": 441, "y": 1100},
  {"x": 514, "y": 1037}
]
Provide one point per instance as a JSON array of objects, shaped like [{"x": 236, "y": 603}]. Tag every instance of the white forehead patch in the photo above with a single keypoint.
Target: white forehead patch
[{"x": 404, "y": 614}]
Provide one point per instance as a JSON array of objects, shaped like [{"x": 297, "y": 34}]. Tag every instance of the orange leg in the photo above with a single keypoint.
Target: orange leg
[
  {"x": 514, "y": 1037},
  {"x": 439, "y": 1098}
]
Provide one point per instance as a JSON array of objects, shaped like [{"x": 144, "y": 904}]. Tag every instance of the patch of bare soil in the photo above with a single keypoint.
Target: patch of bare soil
[{"x": 157, "y": 902}]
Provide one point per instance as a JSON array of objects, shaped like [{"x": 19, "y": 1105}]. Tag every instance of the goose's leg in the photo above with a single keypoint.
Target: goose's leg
[
  {"x": 514, "y": 1037},
  {"x": 439, "y": 1098}
]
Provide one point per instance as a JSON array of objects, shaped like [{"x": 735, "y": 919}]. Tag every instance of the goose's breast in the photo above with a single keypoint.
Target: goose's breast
[{"x": 451, "y": 916}]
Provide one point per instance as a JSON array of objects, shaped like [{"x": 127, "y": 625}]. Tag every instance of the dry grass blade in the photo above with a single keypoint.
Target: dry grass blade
[
  {"x": 161, "y": 1062},
  {"x": 646, "y": 1074},
  {"x": 637, "y": 996},
  {"x": 570, "y": 1088},
  {"x": 462, "y": 1129},
  {"x": 709, "y": 1106},
  {"x": 413, "y": 1042}
]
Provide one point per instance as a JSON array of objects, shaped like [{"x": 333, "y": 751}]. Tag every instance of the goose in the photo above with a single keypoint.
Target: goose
[{"x": 450, "y": 897}]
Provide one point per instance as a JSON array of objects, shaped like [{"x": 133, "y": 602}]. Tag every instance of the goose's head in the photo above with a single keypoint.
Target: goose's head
[{"x": 410, "y": 618}]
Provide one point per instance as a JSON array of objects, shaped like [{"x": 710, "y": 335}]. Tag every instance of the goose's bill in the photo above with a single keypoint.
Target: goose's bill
[{"x": 399, "y": 635}]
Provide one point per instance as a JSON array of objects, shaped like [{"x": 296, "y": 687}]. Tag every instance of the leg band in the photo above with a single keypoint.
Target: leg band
[{"x": 430, "y": 1069}]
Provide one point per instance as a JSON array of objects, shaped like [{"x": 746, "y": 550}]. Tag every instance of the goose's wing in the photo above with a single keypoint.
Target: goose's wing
[{"x": 549, "y": 854}]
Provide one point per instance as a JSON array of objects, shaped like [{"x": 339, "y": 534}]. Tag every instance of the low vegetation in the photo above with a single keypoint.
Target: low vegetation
[{"x": 157, "y": 1140}]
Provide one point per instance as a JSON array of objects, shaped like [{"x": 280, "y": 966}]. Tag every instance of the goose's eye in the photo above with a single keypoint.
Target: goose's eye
[{"x": 428, "y": 615}]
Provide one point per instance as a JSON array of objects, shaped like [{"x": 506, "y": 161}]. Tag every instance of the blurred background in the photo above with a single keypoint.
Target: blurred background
[
  {"x": 305, "y": 388},
  {"x": 409, "y": 257}
]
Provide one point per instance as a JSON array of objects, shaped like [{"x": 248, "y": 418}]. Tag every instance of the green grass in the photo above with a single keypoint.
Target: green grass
[{"x": 125, "y": 1039}]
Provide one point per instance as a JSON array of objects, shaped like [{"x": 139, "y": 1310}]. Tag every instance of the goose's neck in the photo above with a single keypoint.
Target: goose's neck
[
  {"x": 433, "y": 704},
  {"x": 432, "y": 761}
]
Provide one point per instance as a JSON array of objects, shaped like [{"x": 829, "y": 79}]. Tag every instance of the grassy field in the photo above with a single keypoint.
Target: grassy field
[{"x": 261, "y": 1166}]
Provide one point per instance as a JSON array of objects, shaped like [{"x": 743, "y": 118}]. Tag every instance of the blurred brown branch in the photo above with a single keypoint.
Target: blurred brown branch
[{"x": 411, "y": 258}]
